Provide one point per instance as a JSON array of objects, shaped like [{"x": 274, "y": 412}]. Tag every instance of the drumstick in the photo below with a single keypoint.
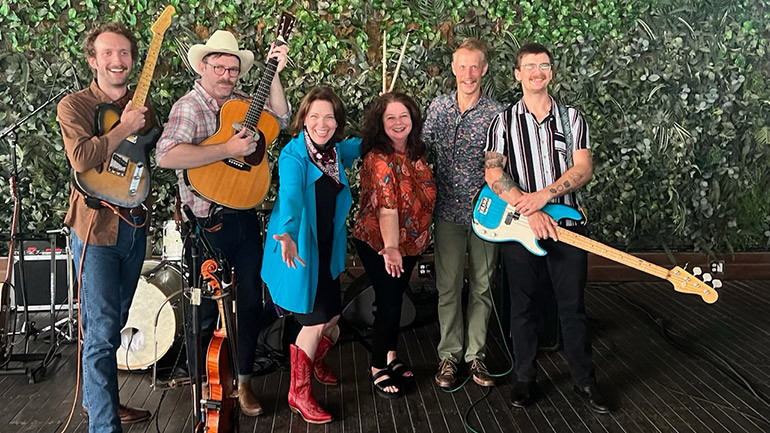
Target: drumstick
[
  {"x": 400, "y": 59},
  {"x": 384, "y": 61}
]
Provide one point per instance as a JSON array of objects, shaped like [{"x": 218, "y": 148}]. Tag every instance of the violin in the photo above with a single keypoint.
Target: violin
[{"x": 220, "y": 408}]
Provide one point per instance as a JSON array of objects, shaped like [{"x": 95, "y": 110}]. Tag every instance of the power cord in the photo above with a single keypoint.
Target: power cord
[{"x": 697, "y": 350}]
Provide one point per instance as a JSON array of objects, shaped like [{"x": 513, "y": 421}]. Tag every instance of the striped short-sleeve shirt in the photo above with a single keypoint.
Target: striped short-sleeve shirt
[{"x": 536, "y": 152}]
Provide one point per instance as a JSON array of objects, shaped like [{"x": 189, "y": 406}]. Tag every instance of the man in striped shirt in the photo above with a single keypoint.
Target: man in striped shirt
[{"x": 529, "y": 162}]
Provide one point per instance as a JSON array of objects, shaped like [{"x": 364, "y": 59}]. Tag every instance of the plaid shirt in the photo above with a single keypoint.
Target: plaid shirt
[
  {"x": 458, "y": 140},
  {"x": 193, "y": 119}
]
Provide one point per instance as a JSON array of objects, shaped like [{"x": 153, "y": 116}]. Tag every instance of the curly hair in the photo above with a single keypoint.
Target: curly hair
[
  {"x": 374, "y": 136},
  {"x": 111, "y": 27},
  {"x": 320, "y": 93}
]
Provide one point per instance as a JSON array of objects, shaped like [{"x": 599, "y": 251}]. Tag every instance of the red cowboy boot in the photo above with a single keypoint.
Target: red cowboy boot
[
  {"x": 321, "y": 369},
  {"x": 301, "y": 398}
]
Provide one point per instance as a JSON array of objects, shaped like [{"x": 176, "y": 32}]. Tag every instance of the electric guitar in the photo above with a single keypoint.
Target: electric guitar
[
  {"x": 242, "y": 183},
  {"x": 495, "y": 220},
  {"x": 124, "y": 179}
]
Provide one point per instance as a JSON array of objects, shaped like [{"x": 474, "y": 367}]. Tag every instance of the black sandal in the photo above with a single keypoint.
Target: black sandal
[
  {"x": 399, "y": 369},
  {"x": 379, "y": 387}
]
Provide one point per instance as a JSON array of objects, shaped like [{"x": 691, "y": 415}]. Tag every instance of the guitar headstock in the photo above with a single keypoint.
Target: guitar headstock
[
  {"x": 685, "y": 282},
  {"x": 285, "y": 26},
  {"x": 164, "y": 21}
]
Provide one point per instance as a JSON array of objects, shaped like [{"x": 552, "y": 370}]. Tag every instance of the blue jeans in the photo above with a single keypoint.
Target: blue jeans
[{"x": 109, "y": 278}]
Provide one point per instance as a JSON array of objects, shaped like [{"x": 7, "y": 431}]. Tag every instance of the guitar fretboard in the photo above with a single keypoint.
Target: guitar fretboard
[
  {"x": 600, "y": 249},
  {"x": 260, "y": 97},
  {"x": 143, "y": 86}
]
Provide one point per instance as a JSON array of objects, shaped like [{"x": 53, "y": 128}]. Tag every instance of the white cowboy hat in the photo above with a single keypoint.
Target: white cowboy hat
[{"x": 220, "y": 42}]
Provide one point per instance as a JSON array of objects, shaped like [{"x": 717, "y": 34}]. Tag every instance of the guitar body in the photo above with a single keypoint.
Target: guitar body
[
  {"x": 221, "y": 386},
  {"x": 495, "y": 220},
  {"x": 124, "y": 179},
  {"x": 234, "y": 182}
]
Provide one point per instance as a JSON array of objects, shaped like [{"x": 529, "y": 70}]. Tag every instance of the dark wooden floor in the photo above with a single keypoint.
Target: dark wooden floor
[{"x": 654, "y": 385}]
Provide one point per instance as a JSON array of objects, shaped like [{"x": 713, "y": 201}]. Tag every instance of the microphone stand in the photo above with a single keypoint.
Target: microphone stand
[{"x": 32, "y": 374}]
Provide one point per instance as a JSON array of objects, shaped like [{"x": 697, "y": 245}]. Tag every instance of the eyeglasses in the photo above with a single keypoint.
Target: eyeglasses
[
  {"x": 220, "y": 70},
  {"x": 532, "y": 66}
]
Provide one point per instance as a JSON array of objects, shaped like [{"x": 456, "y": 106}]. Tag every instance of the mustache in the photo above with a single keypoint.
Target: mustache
[{"x": 228, "y": 82}]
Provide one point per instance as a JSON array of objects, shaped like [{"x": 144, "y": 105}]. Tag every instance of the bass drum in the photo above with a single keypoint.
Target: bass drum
[
  {"x": 157, "y": 295},
  {"x": 358, "y": 304}
]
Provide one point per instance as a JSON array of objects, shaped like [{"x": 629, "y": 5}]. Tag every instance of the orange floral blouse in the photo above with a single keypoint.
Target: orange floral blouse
[{"x": 396, "y": 182}]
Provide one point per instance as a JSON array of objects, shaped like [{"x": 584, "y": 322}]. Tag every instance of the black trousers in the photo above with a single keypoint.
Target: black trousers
[
  {"x": 567, "y": 267},
  {"x": 240, "y": 240},
  {"x": 388, "y": 295}
]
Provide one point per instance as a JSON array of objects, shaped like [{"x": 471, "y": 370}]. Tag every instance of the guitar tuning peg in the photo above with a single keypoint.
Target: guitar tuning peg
[
  {"x": 706, "y": 277},
  {"x": 717, "y": 284},
  {"x": 697, "y": 271}
]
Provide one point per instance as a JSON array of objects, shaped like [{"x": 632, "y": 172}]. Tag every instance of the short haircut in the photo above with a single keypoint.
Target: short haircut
[
  {"x": 473, "y": 44},
  {"x": 532, "y": 48},
  {"x": 320, "y": 93},
  {"x": 110, "y": 27},
  {"x": 214, "y": 56},
  {"x": 374, "y": 130}
]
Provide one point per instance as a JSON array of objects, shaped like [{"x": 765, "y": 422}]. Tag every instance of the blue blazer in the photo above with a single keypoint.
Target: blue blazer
[{"x": 295, "y": 213}]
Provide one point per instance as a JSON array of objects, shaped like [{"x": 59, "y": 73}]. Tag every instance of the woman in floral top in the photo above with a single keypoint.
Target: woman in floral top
[{"x": 391, "y": 231}]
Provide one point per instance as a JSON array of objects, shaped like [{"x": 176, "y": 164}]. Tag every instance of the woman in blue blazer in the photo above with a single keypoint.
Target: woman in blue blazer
[{"x": 306, "y": 242}]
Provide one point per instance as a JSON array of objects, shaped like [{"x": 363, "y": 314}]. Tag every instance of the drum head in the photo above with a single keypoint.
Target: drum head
[{"x": 141, "y": 342}]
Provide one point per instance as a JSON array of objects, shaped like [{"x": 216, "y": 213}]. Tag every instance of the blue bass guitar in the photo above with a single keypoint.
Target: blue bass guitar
[{"x": 495, "y": 220}]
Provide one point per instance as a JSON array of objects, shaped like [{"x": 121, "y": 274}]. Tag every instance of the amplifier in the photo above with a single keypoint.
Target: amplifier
[{"x": 37, "y": 273}]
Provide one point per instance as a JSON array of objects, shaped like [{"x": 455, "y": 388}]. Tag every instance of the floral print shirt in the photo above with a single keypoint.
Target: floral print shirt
[
  {"x": 458, "y": 140},
  {"x": 396, "y": 182}
]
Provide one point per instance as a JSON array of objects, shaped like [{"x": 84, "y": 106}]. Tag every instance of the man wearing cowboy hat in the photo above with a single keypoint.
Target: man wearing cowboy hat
[{"x": 236, "y": 233}]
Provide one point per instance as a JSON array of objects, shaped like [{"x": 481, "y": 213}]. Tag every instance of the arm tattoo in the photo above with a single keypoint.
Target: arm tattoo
[
  {"x": 553, "y": 191},
  {"x": 504, "y": 184},
  {"x": 493, "y": 160}
]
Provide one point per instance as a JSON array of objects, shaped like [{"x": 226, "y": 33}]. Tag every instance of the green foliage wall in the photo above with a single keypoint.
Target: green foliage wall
[{"x": 674, "y": 91}]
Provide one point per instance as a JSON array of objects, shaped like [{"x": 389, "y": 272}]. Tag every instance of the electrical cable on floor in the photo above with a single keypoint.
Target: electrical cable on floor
[
  {"x": 700, "y": 351},
  {"x": 507, "y": 351}
]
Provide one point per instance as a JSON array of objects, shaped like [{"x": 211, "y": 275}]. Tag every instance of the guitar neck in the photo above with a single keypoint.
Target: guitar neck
[
  {"x": 260, "y": 97},
  {"x": 600, "y": 249},
  {"x": 143, "y": 86}
]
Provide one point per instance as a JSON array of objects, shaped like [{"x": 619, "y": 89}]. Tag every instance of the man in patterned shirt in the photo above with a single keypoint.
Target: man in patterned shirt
[
  {"x": 455, "y": 129},
  {"x": 528, "y": 165},
  {"x": 236, "y": 233}
]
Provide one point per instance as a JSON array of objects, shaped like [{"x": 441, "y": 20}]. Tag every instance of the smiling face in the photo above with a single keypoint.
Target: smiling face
[
  {"x": 320, "y": 121},
  {"x": 397, "y": 123},
  {"x": 112, "y": 60},
  {"x": 469, "y": 66},
  {"x": 534, "y": 80}
]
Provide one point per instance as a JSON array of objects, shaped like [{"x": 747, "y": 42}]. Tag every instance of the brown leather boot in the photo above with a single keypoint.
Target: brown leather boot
[
  {"x": 301, "y": 398},
  {"x": 320, "y": 368},
  {"x": 250, "y": 406},
  {"x": 127, "y": 415}
]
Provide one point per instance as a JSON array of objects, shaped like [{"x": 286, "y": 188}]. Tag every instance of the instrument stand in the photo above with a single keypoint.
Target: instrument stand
[
  {"x": 32, "y": 373},
  {"x": 64, "y": 329},
  {"x": 196, "y": 295}
]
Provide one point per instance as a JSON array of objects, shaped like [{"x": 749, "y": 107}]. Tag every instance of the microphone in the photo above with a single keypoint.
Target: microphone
[{"x": 75, "y": 82}]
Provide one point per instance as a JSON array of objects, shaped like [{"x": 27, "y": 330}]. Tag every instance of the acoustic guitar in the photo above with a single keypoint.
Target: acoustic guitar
[
  {"x": 495, "y": 220},
  {"x": 124, "y": 179},
  {"x": 242, "y": 183}
]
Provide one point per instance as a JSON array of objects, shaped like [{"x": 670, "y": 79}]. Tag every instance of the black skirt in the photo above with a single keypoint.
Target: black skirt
[{"x": 328, "y": 302}]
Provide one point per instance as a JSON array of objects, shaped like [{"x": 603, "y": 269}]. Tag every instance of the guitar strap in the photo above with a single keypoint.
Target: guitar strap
[{"x": 565, "y": 124}]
